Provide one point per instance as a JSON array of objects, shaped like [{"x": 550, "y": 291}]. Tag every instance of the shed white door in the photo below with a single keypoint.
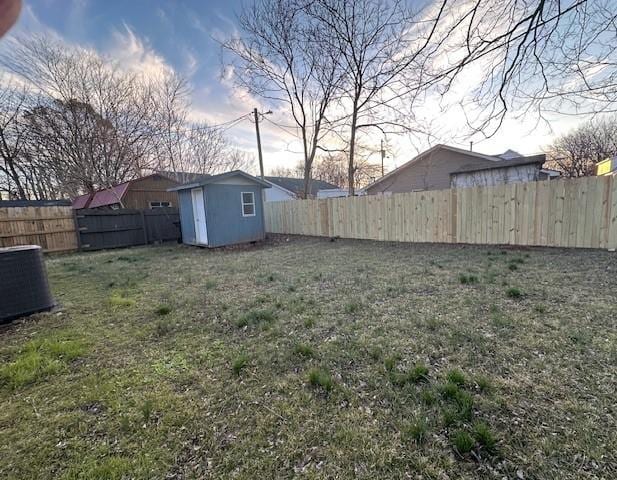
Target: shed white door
[{"x": 199, "y": 215}]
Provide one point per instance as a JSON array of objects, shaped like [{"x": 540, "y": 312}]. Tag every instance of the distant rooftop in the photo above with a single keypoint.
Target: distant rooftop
[{"x": 296, "y": 185}]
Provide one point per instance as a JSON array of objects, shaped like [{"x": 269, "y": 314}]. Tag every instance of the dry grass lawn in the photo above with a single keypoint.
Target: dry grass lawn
[{"x": 315, "y": 359}]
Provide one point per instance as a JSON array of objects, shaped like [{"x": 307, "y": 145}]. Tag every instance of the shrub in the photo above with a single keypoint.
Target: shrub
[
  {"x": 239, "y": 363},
  {"x": 463, "y": 442},
  {"x": 456, "y": 376},
  {"x": 163, "y": 310},
  {"x": 417, "y": 430},
  {"x": 255, "y": 317},
  {"x": 484, "y": 436},
  {"x": 304, "y": 350},
  {"x": 320, "y": 378},
  {"x": 514, "y": 292}
]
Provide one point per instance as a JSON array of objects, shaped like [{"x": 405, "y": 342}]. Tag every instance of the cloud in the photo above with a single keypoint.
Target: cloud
[{"x": 134, "y": 54}]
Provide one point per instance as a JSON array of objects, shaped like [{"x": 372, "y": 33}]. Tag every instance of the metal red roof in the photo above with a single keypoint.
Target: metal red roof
[
  {"x": 81, "y": 201},
  {"x": 110, "y": 196}
]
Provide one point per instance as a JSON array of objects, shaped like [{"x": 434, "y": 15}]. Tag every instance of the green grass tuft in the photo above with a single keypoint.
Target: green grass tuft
[
  {"x": 39, "y": 359},
  {"x": 319, "y": 377},
  {"x": 483, "y": 435},
  {"x": 419, "y": 373},
  {"x": 462, "y": 442},
  {"x": 514, "y": 292},
  {"x": 467, "y": 279},
  {"x": 304, "y": 350},
  {"x": 118, "y": 300},
  {"x": 457, "y": 377},
  {"x": 239, "y": 363},
  {"x": 146, "y": 410},
  {"x": 163, "y": 310},
  {"x": 255, "y": 317},
  {"x": 417, "y": 430},
  {"x": 352, "y": 307}
]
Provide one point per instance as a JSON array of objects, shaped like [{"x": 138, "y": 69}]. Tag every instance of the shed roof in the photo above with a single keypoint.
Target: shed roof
[
  {"x": 208, "y": 179},
  {"x": 109, "y": 196},
  {"x": 512, "y": 162},
  {"x": 182, "y": 177},
  {"x": 296, "y": 185}
]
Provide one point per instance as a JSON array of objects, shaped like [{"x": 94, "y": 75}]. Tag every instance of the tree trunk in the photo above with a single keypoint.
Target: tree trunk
[{"x": 352, "y": 149}]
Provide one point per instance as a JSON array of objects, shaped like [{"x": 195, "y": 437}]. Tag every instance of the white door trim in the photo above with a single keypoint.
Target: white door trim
[{"x": 199, "y": 216}]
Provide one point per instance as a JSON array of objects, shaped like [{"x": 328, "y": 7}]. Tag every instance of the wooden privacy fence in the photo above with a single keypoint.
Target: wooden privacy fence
[
  {"x": 62, "y": 229},
  {"x": 558, "y": 213},
  {"x": 99, "y": 229},
  {"x": 53, "y": 228}
]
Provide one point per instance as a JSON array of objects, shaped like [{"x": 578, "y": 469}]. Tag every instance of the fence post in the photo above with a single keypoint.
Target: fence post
[
  {"x": 144, "y": 226},
  {"x": 77, "y": 231}
]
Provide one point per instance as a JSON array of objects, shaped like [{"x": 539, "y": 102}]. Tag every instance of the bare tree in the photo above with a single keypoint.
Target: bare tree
[
  {"x": 13, "y": 101},
  {"x": 333, "y": 168},
  {"x": 376, "y": 43},
  {"x": 280, "y": 57},
  {"x": 576, "y": 153},
  {"x": 521, "y": 57}
]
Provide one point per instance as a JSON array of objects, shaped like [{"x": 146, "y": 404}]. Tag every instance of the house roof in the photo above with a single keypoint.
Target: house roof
[
  {"x": 296, "y": 185},
  {"x": 512, "y": 162},
  {"x": 428, "y": 152},
  {"x": 207, "y": 179}
]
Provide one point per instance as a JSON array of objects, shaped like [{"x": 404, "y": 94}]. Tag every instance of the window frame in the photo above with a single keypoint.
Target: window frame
[
  {"x": 160, "y": 204},
  {"x": 248, "y": 203}
]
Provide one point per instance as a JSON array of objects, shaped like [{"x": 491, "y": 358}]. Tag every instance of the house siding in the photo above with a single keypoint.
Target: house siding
[
  {"x": 224, "y": 219},
  {"x": 150, "y": 189},
  {"x": 496, "y": 176},
  {"x": 431, "y": 172}
]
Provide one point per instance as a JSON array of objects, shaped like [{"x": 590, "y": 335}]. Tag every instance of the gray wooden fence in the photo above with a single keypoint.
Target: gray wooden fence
[{"x": 100, "y": 229}]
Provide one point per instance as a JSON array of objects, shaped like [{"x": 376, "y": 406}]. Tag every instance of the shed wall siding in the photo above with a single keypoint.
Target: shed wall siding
[
  {"x": 226, "y": 225},
  {"x": 497, "y": 176},
  {"x": 431, "y": 172},
  {"x": 187, "y": 223},
  {"x": 150, "y": 189}
]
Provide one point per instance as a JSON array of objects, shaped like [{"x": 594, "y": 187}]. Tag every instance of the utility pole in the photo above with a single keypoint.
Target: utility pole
[
  {"x": 383, "y": 155},
  {"x": 261, "y": 160}
]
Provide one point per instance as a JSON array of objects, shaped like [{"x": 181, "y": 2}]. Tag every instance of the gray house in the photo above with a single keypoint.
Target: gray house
[{"x": 222, "y": 209}]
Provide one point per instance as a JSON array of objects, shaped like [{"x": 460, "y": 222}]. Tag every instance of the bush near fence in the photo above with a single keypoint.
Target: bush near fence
[{"x": 559, "y": 213}]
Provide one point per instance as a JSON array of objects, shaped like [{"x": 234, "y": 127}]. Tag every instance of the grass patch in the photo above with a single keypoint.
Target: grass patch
[
  {"x": 457, "y": 377},
  {"x": 163, "y": 310},
  {"x": 483, "y": 435},
  {"x": 514, "y": 292},
  {"x": 467, "y": 279},
  {"x": 417, "y": 430},
  {"x": 119, "y": 300},
  {"x": 352, "y": 307},
  {"x": 462, "y": 442},
  {"x": 255, "y": 318},
  {"x": 239, "y": 363},
  {"x": 320, "y": 378},
  {"x": 39, "y": 359},
  {"x": 304, "y": 350}
]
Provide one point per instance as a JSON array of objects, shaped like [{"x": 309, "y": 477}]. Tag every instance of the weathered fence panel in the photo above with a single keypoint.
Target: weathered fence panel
[
  {"x": 558, "y": 213},
  {"x": 51, "y": 227},
  {"x": 99, "y": 229}
]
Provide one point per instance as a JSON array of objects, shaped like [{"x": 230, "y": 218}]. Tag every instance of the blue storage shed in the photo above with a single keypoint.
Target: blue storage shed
[{"x": 218, "y": 210}]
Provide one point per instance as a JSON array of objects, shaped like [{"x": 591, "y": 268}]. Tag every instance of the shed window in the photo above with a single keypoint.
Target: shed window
[
  {"x": 248, "y": 204},
  {"x": 160, "y": 204}
]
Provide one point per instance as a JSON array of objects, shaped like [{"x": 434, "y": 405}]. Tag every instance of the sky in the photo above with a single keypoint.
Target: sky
[{"x": 155, "y": 35}]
